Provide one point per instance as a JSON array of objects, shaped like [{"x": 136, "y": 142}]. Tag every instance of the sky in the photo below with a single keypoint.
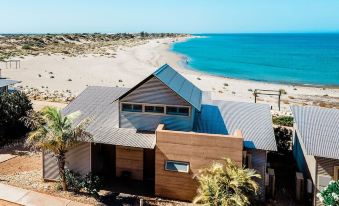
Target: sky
[{"x": 179, "y": 16}]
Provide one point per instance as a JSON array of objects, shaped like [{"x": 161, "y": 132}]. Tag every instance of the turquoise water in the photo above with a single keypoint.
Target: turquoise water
[{"x": 286, "y": 58}]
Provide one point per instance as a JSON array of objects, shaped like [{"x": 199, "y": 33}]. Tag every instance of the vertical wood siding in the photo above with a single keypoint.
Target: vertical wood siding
[
  {"x": 200, "y": 150},
  {"x": 325, "y": 166},
  {"x": 131, "y": 160},
  {"x": 77, "y": 159}
]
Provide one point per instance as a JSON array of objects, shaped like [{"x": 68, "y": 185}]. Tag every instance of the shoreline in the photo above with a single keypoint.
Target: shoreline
[
  {"x": 60, "y": 78},
  {"x": 184, "y": 65}
]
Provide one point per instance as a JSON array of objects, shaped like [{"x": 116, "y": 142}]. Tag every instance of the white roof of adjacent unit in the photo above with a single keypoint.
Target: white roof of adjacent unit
[{"x": 318, "y": 130}]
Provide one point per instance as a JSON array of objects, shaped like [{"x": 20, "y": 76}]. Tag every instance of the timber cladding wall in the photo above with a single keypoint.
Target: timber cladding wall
[
  {"x": 199, "y": 150},
  {"x": 325, "y": 168},
  {"x": 131, "y": 160}
]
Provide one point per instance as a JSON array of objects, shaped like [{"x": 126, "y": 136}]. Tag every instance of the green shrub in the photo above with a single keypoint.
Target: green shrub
[
  {"x": 283, "y": 137},
  {"x": 92, "y": 184},
  {"x": 13, "y": 107},
  {"x": 329, "y": 196},
  {"x": 74, "y": 181},
  {"x": 283, "y": 121},
  {"x": 27, "y": 47},
  {"x": 89, "y": 183}
]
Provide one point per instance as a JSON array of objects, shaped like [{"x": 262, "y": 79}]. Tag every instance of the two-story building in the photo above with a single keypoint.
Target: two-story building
[{"x": 163, "y": 130}]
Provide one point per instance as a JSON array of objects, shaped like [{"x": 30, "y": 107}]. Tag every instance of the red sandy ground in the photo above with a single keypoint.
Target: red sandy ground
[{"x": 20, "y": 164}]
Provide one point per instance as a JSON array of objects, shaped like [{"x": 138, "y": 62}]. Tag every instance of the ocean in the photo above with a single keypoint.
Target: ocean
[{"x": 309, "y": 59}]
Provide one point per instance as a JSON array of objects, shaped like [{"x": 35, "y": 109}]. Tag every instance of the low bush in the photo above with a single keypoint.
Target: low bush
[
  {"x": 13, "y": 107},
  {"x": 26, "y": 47},
  {"x": 329, "y": 196},
  {"x": 283, "y": 121},
  {"x": 92, "y": 184},
  {"x": 74, "y": 181},
  {"x": 89, "y": 183},
  {"x": 283, "y": 137}
]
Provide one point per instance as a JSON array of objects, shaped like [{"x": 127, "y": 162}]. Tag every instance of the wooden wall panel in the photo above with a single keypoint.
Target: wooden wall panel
[
  {"x": 200, "y": 150},
  {"x": 130, "y": 159},
  {"x": 325, "y": 166}
]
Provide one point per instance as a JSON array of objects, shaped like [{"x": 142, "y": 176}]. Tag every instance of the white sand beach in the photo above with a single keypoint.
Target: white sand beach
[{"x": 71, "y": 75}]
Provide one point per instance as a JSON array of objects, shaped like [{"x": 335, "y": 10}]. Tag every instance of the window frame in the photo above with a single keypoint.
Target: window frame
[
  {"x": 318, "y": 180},
  {"x": 121, "y": 106},
  {"x": 336, "y": 173},
  {"x": 176, "y": 161},
  {"x": 158, "y": 105},
  {"x": 178, "y": 107},
  {"x": 154, "y": 105}
]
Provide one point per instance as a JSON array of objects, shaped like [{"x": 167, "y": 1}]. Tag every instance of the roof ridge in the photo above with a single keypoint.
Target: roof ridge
[{"x": 160, "y": 69}]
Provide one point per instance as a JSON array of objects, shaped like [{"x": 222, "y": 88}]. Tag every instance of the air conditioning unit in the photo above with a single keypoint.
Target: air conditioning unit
[{"x": 299, "y": 186}]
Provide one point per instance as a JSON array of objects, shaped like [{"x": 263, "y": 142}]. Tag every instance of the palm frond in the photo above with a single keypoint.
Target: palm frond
[
  {"x": 226, "y": 184},
  {"x": 58, "y": 133}
]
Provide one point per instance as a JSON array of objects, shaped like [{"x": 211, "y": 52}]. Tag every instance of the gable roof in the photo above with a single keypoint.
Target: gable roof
[
  {"x": 177, "y": 83},
  {"x": 318, "y": 130},
  {"x": 225, "y": 117},
  {"x": 97, "y": 104}
]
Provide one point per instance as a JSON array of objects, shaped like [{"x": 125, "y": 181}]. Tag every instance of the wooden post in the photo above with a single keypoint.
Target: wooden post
[
  {"x": 255, "y": 96},
  {"x": 279, "y": 100}
]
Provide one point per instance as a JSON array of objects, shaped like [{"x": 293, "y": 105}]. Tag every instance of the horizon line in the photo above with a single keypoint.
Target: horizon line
[{"x": 200, "y": 33}]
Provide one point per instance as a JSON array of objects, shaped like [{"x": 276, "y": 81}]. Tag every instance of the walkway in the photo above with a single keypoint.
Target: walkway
[{"x": 31, "y": 198}]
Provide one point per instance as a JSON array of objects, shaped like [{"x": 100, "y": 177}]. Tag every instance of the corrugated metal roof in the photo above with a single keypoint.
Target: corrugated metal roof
[
  {"x": 7, "y": 82},
  {"x": 179, "y": 84},
  {"x": 176, "y": 82},
  {"x": 318, "y": 130},
  {"x": 97, "y": 103},
  {"x": 225, "y": 117}
]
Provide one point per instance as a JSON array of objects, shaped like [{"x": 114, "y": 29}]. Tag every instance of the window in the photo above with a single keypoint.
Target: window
[
  {"x": 336, "y": 173},
  {"x": 176, "y": 166},
  {"x": 182, "y": 111},
  {"x": 154, "y": 109},
  {"x": 131, "y": 107},
  {"x": 323, "y": 181}
]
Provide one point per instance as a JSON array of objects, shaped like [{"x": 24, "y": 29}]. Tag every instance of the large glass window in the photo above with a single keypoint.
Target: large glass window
[
  {"x": 177, "y": 166},
  {"x": 182, "y": 111},
  {"x": 155, "y": 109},
  {"x": 131, "y": 107}
]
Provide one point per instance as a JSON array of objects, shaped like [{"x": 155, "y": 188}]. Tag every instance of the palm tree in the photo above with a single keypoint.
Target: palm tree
[
  {"x": 226, "y": 185},
  {"x": 56, "y": 133}
]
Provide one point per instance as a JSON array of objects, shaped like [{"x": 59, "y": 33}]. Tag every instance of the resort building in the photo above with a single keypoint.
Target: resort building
[
  {"x": 162, "y": 131},
  {"x": 316, "y": 147}
]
